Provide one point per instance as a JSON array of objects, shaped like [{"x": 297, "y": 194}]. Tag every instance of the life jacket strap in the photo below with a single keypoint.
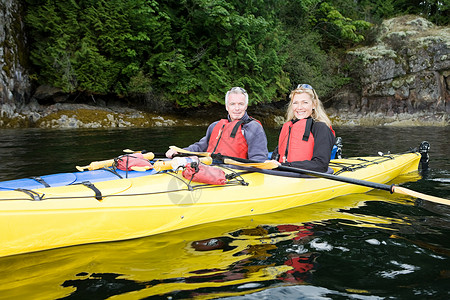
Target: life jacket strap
[
  {"x": 308, "y": 127},
  {"x": 239, "y": 123},
  {"x": 236, "y": 128},
  {"x": 218, "y": 138},
  {"x": 287, "y": 144}
]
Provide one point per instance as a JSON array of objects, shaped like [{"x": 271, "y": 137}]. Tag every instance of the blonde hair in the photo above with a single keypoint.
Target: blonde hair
[{"x": 318, "y": 114}]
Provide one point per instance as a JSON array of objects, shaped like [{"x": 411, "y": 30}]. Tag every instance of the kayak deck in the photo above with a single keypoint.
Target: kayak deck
[{"x": 63, "y": 179}]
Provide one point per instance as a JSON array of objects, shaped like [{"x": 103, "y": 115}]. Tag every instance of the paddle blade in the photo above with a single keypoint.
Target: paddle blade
[
  {"x": 95, "y": 165},
  {"x": 149, "y": 155},
  {"x": 162, "y": 165},
  {"x": 405, "y": 191},
  {"x": 206, "y": 160},
  {"x": 140, "y": 169},
  {"x": 270, "y": 164}
]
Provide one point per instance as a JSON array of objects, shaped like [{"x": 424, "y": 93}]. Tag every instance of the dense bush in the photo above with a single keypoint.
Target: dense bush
[{"x": 191, "y": 51}]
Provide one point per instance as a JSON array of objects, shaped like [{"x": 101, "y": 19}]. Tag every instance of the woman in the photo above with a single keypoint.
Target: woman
[{"x": 306, "y": 139}]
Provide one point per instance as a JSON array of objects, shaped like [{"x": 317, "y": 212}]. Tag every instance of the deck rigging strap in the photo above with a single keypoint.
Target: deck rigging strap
[
  {"x": 98, "y": 194},
  {"x": 236, "y": 175},
  {"x": 172, "y": 173},
  {"x": 34, "y": 195},
  {"x": 349, "y": 167},
  {"x": 116, "y": 162},
  {"x": 114, "y": 171},
  {"x": 194, "y": 165},
  {"x": 41, "y": 181}
]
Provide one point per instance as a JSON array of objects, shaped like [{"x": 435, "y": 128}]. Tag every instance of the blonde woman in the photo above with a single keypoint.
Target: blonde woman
[{"x": 306, "y": 139}]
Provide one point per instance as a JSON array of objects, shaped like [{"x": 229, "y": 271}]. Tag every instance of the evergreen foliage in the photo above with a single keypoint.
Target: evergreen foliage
[{"x": 192, "y": 51}]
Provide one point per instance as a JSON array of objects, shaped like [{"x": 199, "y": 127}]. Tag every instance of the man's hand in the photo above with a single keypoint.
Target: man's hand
[{"x": 170, "y": 153}]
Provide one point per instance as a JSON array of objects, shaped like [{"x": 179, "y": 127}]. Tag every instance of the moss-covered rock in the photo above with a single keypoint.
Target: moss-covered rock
[
  {"x": 406, "y": 71},
  {"x": 15, "y": 84}
]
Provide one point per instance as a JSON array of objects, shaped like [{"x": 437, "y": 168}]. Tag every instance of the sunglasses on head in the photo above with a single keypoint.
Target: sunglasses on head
[
  {"x": 305, "y": 86},
  {"x": 237, "y": 88}
]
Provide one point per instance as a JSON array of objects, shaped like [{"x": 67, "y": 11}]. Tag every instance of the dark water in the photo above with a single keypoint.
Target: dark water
[{"x": 361, "y": 246}]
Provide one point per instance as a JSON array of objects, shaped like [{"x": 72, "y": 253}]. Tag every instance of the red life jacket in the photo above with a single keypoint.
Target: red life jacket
[
  {"x": 296, "y": 143},
  {"x": 227, "y": 139}
]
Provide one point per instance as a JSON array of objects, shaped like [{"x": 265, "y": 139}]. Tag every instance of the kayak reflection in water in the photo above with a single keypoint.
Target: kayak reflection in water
[
  {"x": 281, "y": 241},
  {"x": 219, "y": 243},
  {"x": 302, "y": 264},
  {"x": 263, "y": 256}
]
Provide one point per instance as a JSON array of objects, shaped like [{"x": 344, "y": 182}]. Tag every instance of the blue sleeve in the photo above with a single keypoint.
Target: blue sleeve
[
  {"x": 256, "y": 141},
  {"x": 202, "y": 144}
]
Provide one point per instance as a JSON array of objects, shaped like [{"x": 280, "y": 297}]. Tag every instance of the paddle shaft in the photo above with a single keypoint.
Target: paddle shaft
[
  {"x": 374, "y": 185},
  {"x": 95, "y": 165},
  {"x": 390, "y": 188},
  {"x": 252, "y": 163},
  {"x": 156, "y": 154},
  {"x": 162, "y": 165}
]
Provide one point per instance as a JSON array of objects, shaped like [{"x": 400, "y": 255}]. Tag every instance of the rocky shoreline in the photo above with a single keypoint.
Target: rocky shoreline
[{"x": 73, "y": 116}]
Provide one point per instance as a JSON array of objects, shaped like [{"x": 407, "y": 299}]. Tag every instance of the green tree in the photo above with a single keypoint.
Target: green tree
[
  {"x": 191, "y": 51},
  {"x": 315, "y": 32},
  {"x": 93, "y": 45},
  {"x": 436, "y": 11},
  {"x": 221, "y": 44}
]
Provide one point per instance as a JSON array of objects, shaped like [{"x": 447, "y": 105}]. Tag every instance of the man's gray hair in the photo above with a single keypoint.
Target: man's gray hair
[{"x": 236, "y": 90}]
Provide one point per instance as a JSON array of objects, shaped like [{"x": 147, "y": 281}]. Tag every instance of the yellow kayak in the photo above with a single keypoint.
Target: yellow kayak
[{"x": 46, "y": 218}]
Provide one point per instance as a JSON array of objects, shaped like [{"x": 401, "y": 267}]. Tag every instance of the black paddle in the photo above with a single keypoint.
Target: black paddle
[{"x": 390, "y": 188}]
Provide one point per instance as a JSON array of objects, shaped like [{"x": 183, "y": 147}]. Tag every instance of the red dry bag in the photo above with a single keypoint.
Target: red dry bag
[
  {"x": 204, "y": 174},
  {"x": 126, "y": 162}
]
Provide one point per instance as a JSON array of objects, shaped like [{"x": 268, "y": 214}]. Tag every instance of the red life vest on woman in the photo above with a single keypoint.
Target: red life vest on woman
[
  {"x": 227, "y": 139},
  {"x": 296, "y": 143}
]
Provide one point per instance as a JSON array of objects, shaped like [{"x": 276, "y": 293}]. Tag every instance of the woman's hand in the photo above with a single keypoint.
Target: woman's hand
[{"x": 274, "y": 161}]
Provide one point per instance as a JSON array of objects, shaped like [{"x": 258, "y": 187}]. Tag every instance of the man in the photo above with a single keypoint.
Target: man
[{"x": 238, "y": 136}]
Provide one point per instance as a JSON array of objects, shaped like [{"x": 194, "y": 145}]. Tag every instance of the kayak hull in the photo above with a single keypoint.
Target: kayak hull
[{"x": 147, "y": 205}]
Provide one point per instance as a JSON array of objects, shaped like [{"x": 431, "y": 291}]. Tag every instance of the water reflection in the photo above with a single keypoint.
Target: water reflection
[{"x": 259, "y": 264}]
